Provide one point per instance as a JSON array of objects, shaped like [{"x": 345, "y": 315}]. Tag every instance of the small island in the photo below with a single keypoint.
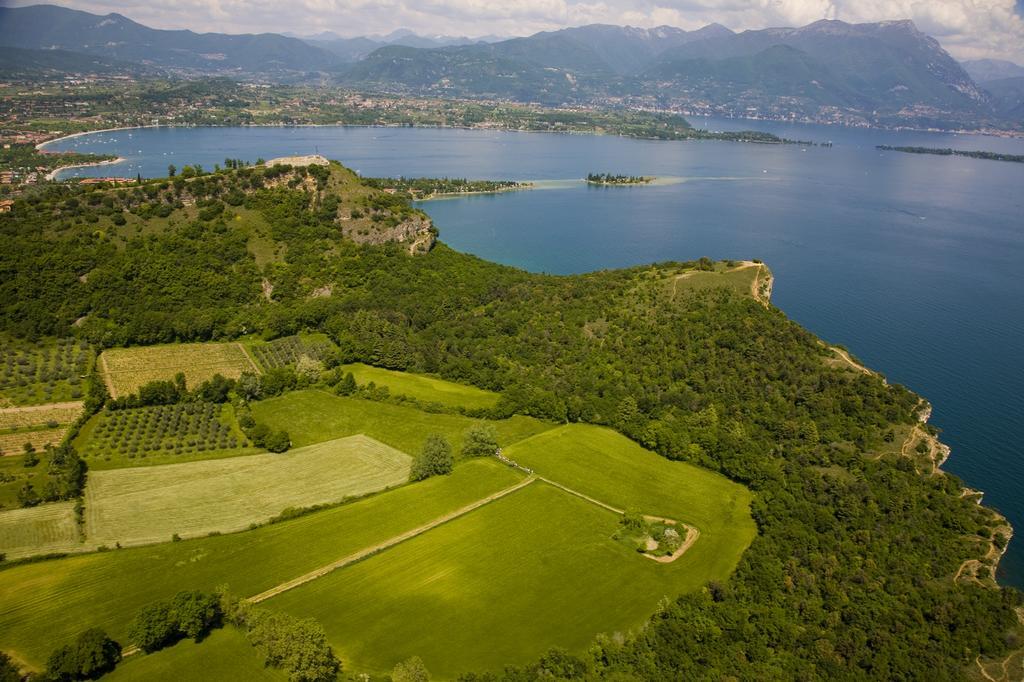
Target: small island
[
  {"x": 606, "y": 179},
  {"x": 988, "y": 156},
  {"x": 421, "y": 189}
]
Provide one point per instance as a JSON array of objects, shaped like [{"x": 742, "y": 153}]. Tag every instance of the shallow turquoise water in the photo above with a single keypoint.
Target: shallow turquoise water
[{"x": 913, "y": 262}]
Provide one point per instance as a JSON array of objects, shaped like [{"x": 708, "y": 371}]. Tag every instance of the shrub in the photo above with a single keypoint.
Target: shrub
[
  {"x": 434, "y": 460},
  {"x": 480, "y": 440}
]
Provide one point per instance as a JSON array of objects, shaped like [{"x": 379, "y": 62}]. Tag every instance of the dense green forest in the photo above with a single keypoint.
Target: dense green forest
[{"x": 851, "y": 574}]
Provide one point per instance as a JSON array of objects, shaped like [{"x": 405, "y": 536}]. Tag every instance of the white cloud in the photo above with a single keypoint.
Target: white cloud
[{"x": 967, "y": 28}]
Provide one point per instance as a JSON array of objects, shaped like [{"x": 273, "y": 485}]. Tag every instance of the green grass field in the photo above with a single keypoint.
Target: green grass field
[
  {"x": 608, "y": 466},
  {"x": 45, "y": 529},
  {"x": 223, "y": 655},
  {"x": 740, "y": 279},
  {"x": 150, "y": 504},
  {"x": 313, "y": 416},
  {"x": 14, "y": 474},
  {"x": 535, "y": 569},
  {"x": 126, "y": 369},
  {"x": 48, "y": 603},
  {"x": 424, "y": 388},
  {"x": 499, "y": 586}
]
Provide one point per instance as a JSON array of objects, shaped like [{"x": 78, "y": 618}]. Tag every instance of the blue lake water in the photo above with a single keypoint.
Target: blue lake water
[{"x": 916, "y": 263}]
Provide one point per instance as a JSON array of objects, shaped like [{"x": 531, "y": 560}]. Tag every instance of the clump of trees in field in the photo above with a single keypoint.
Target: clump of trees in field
[
  {"x": 187, "y": 614},
  {"x": 435, "y": 459},
  {"x": 480, "y": 440},
  {"x": 91, "y": 656}
]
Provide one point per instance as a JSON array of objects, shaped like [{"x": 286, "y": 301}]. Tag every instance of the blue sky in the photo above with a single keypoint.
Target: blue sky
[{"x": 967, "y": 28}]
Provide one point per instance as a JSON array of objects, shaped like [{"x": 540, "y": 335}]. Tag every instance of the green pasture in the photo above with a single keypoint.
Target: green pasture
[
  {"x": 425, "y": 388},
  {"x": 224, "y": 655},
  {"x": 313, "y": 416}
]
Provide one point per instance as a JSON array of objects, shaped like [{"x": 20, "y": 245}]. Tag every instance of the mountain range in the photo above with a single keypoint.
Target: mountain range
[{"x": 886, "y": 73}]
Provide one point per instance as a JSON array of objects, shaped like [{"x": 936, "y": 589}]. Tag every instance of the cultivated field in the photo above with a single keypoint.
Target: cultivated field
[
  {"x": 162, "y": 434},
  {"x": 39, "y": 530},
  {"x": 425, "y": 388},
  {"x": 47, "y": 603},
  {"x": 126, "y": 369},
  {"x": 499, "y": 586},
  {"x": 14, "y": 443},
  {"x": 43, "y": 372},
  {"x": 40, "y": 425},
  {"x": 313, "y": 416},
  {"x": 150, "y": 504},
  {"x": 740, "y": 279},
  {"x": 286, "y": 351},
  {"x": 223, "y": 655}
]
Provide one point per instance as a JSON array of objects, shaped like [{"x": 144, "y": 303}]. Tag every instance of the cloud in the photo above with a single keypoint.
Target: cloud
[{"x": 967, "y": 28}]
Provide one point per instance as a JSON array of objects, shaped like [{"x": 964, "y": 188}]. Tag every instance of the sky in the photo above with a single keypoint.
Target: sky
[{"x": 968, "y": 29}]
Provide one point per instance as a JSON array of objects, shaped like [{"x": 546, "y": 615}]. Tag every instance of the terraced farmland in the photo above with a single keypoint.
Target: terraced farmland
[
  {"x": 45, "y": 529},
  {"x": 150, "y": 504},
  {"x": 126, "y": 369},
  {"x": 424, "y": 388}
]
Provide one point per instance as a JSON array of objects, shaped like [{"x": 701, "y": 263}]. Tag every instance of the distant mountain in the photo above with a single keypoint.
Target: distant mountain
[
  {"x": 885, "y": 72},
  {"x": 884, "y": 67},
  {"x": 355, "y": 49},
  {"x": 116, "y": 37},
  {"x": 983, "y": 70},
  {"x": 16, "y": 62},
  {"x": 1008, "y": 98}
]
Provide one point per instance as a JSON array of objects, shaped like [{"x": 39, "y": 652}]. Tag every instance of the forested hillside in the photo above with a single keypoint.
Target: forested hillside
[{"x": 852, "y": 572}]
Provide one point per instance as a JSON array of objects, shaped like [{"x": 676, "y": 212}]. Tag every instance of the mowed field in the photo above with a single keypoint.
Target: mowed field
[
  {"x": 740, "y": 279},
  {"x": 424, "y": 388},
  {"x": 312, "y": 416},
  {"x": 224, "y": 655},
  {"x": 150, "y": 504},
  {"x": 499, "y": 586},
  {"x": 45, "y": 604},
  {"x": 126, "y": 369},
  {"x": 46, "y": 529}
]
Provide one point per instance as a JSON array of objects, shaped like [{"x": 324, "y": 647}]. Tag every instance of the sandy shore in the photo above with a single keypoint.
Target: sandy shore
[
  {"x": 42, "y": 145},
  {"x": 108, "y": 162}
]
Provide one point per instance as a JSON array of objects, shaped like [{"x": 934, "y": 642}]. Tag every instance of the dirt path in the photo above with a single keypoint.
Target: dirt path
[
  {"x": 74, "y": 405},
  {"x": 675, "y": 280},
  {"x": 760, "y": 292},
  {"x": 391, "y": 542},
  {"x": 845, "y": 357},
  {"x": 107, "y": 378},
  {"x": 248, "y": 357}
]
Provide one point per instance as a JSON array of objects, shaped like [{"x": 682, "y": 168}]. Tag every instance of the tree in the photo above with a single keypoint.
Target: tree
[
  {"x": 154, "y": 627},
  {"x": 31, "y": 458},
  {"x": 480, "y": 440},
  {"x": 249, "y": 386},
  {"x": 171, "y": 170},
  {"x": 434, "y": 460},
  {"x": 92, "y": 655},
  {"x": 308, "y": 369},
  {"x": 9, "y": 672},
  {"x": 410, "y": 670},
  {"x": 347, "y": 386},
  {"x": 278, "y": 441},
  {"x": 195, "y": 613},
  {"x": 298, "y": 646}
]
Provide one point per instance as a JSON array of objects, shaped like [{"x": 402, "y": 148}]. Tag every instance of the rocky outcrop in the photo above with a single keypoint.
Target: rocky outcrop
[{"x": 417, "y": 232}]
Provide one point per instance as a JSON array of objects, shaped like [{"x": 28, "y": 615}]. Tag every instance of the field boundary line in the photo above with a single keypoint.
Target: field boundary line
[
  {"x": 387, "y": 544},
  {"x": 76, "y": 404},
  {"x": 107, "y": 378},
  {"x": 248, "y": 357}
]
